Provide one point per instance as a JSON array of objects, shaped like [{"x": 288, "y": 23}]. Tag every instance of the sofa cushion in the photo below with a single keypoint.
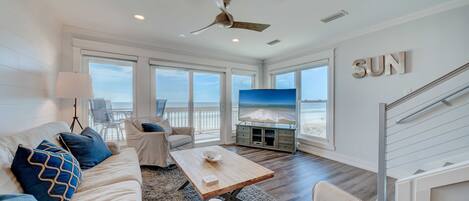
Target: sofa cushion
[
  {"x": 8, "y": 183},
  {"x": 17, "y": 197},
  {"x": 34, "y": 136},
  {"x": 152, "y": 127},
  {"x": 88, "y": 147},
  {"x": 117, "y": 168},
  {"x": 179, "y": 140},
  {"x": 120, "y": 191},
  {"x": 45, "y": 174}
]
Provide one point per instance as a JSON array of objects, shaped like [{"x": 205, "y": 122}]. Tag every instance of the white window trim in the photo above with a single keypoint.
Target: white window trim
[{"x": 297, "y": 65}]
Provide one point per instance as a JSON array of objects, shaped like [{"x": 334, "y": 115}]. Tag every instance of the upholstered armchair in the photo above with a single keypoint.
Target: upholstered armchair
[{"x": 153, "y": 147}]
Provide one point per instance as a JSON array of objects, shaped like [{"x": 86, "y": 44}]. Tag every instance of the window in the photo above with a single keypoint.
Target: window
[
  {"x": 172, "y": 85},
  {"x": 285, "y": 81},
  {"x": 112, "y": 82},
  {"x": 312, "y": 84},
  {"x": 313, "y": 104},
  {"x": 238, "y": 82}
]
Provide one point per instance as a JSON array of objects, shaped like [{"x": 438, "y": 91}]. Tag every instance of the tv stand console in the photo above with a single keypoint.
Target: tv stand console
[{"x": 274, "y": 138}]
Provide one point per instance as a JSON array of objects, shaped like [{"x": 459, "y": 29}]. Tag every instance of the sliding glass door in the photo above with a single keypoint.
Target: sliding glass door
[
  {"x": 193, "y": 98},
  {"x": 113, "y": 92},
  {"x": 206, "y": 96},
  {"x": 172, "y": 86}
]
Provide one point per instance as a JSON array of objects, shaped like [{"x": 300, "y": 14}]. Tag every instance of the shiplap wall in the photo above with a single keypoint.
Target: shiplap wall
[{"x": 30, "y": 42}]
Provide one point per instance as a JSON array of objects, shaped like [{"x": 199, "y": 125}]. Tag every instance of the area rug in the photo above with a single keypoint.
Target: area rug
[{"x": 161, "y": 184}]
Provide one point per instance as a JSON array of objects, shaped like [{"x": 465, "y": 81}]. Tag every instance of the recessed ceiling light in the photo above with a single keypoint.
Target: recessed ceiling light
[
  {"x": 139, "y": 17},
  {"x": 235, "y": 40},
  {"x": 182, "y": 35}
]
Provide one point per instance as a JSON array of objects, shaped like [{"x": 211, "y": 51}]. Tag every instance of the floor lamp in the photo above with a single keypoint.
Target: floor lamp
[{"x": 71, "y": 85}]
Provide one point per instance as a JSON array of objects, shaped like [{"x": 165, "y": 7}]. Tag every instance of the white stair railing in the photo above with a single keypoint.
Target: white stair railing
[{"x": 424, "y": 130}]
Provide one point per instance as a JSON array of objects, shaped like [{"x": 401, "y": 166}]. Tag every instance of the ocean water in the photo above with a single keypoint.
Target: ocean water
[{"x": 317, "y": 107}]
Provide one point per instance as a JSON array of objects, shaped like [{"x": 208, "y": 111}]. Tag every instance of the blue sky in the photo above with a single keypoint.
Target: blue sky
[
  {"x": 313, "y": 83},
  {"x": 114, "y": 82}
]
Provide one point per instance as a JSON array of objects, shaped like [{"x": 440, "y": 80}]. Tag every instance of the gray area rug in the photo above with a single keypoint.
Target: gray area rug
[{"x": 161, "y": 184}]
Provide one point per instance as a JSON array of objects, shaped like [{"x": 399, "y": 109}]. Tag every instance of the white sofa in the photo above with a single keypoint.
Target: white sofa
[
  {"x": 325, "y": 191},
  {"x": 116, "y": 178}
]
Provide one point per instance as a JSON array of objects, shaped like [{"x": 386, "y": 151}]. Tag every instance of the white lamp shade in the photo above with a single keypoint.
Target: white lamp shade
[{"x": 73, "y": 85}]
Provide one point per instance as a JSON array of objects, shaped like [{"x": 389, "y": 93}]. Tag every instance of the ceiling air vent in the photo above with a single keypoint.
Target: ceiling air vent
[
  {"x": 334, "y": 16},
  {"x": 273, "y": 42}
]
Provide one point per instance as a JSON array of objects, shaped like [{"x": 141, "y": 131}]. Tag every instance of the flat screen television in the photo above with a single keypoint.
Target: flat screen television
[{"x": 268, "y": 106}]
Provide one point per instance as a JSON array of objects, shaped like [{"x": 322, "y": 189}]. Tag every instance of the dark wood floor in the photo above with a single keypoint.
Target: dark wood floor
[{"x": 295, "y": 175}]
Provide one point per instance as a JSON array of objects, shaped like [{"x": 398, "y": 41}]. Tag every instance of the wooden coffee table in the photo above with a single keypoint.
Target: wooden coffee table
[{"x": 234, "y": 172}]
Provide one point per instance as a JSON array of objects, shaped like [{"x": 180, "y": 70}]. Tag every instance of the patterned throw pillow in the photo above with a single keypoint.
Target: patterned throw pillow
[{"x": 48, "y": 172}]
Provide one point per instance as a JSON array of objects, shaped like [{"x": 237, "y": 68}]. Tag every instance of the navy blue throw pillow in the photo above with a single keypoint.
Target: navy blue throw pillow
[
  {"x": 88, "y": 147},
  {"x": 149, "y": 127},
  {"x": 47, "y": 175},
  {"x": 17, "y": 197}
]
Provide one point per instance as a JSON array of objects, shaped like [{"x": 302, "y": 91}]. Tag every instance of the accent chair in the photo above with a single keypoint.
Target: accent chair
[{"x": 153, "y": 147}]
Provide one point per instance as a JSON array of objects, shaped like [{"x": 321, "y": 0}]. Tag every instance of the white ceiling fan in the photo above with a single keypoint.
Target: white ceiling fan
[{"x": 225, "y": 19}]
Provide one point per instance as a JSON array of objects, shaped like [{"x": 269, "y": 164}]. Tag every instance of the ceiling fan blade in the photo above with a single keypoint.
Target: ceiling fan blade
[
  {"x": 222, "y": 4},
  {"x": 250, "y": 26},
  {"x": 203, "y": 29}
]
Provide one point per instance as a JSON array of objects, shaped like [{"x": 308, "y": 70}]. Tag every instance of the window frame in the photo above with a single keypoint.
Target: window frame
[{"x": 325, "y": 143}]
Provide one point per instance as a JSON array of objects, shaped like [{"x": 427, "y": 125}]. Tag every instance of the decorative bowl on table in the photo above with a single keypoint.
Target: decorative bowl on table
[{"x": 211, "y": 156}]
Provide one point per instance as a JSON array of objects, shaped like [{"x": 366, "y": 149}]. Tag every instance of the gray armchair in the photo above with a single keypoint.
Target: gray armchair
[{"x": 153, "y": 147}]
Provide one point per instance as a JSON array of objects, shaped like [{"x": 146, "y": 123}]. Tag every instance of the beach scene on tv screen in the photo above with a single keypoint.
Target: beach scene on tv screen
[{"x": 268, "y": 106}]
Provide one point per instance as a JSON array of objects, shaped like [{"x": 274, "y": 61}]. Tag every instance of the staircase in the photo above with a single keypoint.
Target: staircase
[{"x": 424, "y": 134}]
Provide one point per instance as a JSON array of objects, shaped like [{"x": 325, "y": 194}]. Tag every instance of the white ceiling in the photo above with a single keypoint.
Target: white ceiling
[{"x": 295, "y": 22}]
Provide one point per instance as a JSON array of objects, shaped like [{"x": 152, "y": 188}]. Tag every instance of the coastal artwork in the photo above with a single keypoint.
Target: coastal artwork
[{"x": 268, "y": 106}]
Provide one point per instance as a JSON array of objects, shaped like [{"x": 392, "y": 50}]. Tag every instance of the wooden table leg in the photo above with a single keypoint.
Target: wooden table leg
[
  {"x": 232, "y": 196},
  {"x": 183, "y": 185}
]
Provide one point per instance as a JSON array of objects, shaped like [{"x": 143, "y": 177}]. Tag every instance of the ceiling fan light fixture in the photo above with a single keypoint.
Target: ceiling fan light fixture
[{"x": 139, "y": 17}]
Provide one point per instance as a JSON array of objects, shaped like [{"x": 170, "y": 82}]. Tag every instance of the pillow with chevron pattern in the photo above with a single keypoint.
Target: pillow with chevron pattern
[{"x": 48, "y": 172}]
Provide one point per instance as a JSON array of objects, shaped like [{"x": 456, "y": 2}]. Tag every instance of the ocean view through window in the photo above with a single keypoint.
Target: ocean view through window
[
  {"x": 193, "y": 100},
  {"x": 113, "y": 96},
  {"x": 313, "y": 93},
  {"x": 313, "y": 104}
]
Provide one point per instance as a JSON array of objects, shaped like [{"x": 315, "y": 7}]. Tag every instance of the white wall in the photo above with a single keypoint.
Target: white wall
[
  {"x": 436, "y": 44},
  {"x": 29, "y": 56}
]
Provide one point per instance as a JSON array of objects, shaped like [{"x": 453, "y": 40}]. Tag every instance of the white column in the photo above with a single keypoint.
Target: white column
[{"x": 142, "y": 82}]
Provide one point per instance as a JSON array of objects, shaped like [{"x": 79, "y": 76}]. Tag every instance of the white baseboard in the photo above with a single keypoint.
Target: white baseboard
[{"x": 338, "y": 157}]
